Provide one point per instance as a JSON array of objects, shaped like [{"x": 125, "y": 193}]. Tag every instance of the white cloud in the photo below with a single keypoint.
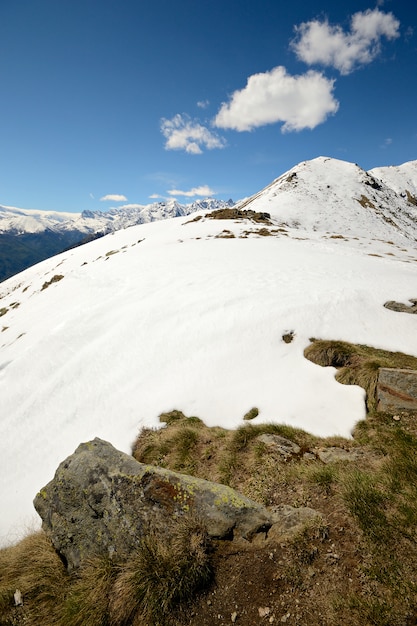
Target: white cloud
[
  {"x": 203, "y": 190},
  {"x": 183, "y": 133},
  {"x": 298, "y": 101},
  {"x": 154, "y": 196},
  {"x": 387, "y": 142},
  {"x": 113, "y": 197},
  {"x": 203, "y": 104},
  {"x": 319, "y": 42}
]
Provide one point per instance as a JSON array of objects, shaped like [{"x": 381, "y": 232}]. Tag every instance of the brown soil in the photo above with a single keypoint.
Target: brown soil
[{"x": 299, "y": 581}]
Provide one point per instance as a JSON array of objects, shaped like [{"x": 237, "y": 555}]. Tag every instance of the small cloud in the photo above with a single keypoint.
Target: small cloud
[
  {"x": 298, "y": 101},
  {"x": 154, "y": 196},
  {"x": 319, "y": 42},
  {"x": 203, "y": 190},
  {"x": 203, "y": 104},
  {"x": 387, "y": 142},
  {"x": 91, "y": 196},
  {"x": 183, "y": 133},
  {"x": 113, "y": 197}
]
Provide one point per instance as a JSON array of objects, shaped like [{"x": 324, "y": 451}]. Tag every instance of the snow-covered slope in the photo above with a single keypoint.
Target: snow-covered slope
[
  {"x": 189, "y": 313},
  {"x": 28, "y": 236},
  {"x": 401, "y": 178}
]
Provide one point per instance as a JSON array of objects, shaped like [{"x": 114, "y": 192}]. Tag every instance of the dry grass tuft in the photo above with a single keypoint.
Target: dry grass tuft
[
  {"x": 34, "y": 568},
  {"x": 55, "y": 279},
  {"x": 88, "y": 599},
  {"x": 216, "y": 454},
  {"x": 164, "y": 573}
]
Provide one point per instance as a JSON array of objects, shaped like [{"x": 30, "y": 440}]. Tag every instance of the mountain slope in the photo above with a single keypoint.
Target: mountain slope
[
  {"x": 328, "y": 195},
  {"x": 401, "y": 178},
  {"x": 190, "y": 313}
]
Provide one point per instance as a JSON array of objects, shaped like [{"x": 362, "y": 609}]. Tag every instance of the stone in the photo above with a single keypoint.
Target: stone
[
  {"x": 264, "y": 611},
  {"x": 335, "y": 454},
  {"x": 309, "y": 456},
  {"x": 396, "y": 390},
  {"x": 281, "y": 445},
  {"x": 399, "y": 307},
  {"x": 102, "y": 502},
  {"x": 18, "y": 601},
  {"x": 290, "y": 520}
]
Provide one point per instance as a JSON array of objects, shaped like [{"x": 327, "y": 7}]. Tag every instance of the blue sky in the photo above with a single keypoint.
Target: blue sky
[{"x": 121, "y": 102}]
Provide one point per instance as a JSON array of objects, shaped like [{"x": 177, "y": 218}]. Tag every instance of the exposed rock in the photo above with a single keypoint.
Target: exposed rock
[
  {"x": 288, "y": 337},
  {"x": 396, "y": 390},
  {"x": 309, "y": 456},
  {"x": 276, "y": 443},
  {"x": 238, "y": 214},
  {"x": 289, "y": 521},
  {"x": 102, "y": 501},
  {"x": 334, "y": 454},
  {"x": 400, "y": 307},
  {"x": 410, "y": 198}
]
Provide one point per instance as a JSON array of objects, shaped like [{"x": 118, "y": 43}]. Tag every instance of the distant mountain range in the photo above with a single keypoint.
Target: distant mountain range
[{"x": 29, "y": 236}]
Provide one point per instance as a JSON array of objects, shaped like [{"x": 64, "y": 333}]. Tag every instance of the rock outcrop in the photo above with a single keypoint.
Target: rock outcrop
[
  {"x": 102, "y": 502},
  {"x": 396, "y": 390},
  {"x": 400, "y": 307},
  {"x": 334, "y": 454},
  {"x": 280, "y": 445}
]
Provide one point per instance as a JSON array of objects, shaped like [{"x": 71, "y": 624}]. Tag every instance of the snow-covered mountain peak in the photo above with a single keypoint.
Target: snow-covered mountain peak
[
  {"x": 15, "y": 220},
  {"x": 333, "y": 196}
]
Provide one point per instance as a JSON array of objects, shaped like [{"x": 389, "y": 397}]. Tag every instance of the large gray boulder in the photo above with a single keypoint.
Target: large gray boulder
[
  {"x": 396, "y": 390},
  {"x": 102, "y": 502}
]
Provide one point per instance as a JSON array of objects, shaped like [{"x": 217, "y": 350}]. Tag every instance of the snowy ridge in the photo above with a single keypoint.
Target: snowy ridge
[
  {"x": 20, "y": 221},
  {"x": 14, "y": 220},
  {"x": 401, "y": 178},
  {"x": 190, "y": 313},
  {"x": 328, "y": 195}
]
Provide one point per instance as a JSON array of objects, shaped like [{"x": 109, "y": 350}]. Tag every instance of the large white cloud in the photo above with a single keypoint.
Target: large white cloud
[
  {"x": 319, "y": 42},
  {"x": 298, "y": 101},
  {"x": 183, "y": 133},
  {"x": 202, "y": 190}
]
